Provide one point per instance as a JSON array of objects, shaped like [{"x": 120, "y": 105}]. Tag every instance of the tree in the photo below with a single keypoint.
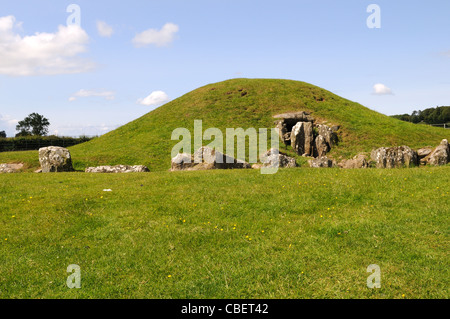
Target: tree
[
  {"x": 33, "y": 124},
  {"x": 2, "y": 134},
  {"x": 415, "y": 116},
  {"x": 433, "y": 115}
]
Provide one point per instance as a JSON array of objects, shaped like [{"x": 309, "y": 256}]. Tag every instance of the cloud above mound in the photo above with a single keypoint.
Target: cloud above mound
[
  {"x": 154, "y": 99},
  {"x": 108, "y": 95},
  {"x": 42, "y": 53},
  {"x": 381, "y": 89},
  {"x": 157, "y": 37}
]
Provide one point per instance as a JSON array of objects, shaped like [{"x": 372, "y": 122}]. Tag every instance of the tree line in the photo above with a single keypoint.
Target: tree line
[
  {"x": 32, "y": 134},
  {"x": 34, "y": 124},
  {"x": 434, "y": 115}
]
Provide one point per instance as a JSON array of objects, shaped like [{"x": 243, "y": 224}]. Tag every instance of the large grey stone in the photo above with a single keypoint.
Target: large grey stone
[
  {"x": 440, "y": 155},
  {"x": 182, "y": 162},
  {"x": 55, "y": 159},
  {"x": 328, "y": 134},
  {"x": 394, "y": 157},
  {"x": 424, "y": 152},
  {"x": 321, "y": 146},
  {"x": 283, "y": 132},
  {"x": 358, "y": 161},
  {"x": 295, "y": 117}
]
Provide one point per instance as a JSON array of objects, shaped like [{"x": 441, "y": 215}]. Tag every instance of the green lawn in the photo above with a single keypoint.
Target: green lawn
[{"x": 300, "y": 233}]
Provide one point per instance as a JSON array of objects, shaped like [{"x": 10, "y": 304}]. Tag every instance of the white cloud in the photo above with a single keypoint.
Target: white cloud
[
  {"x": 7, "y": 119},
  {"x": 108, "y": 95},
  {"x": 104, "y": 29},
  {"x": 8, "y": 124},
  {"x": 157, "y": 37},
  {"x": 381, "y": 89},
  {"x": 42, "y": 53},
  {"x": 155, "y": 98}
]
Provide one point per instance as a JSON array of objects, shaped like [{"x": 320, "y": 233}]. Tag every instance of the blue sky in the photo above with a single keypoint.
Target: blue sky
[{"x": 90, "y": 79}]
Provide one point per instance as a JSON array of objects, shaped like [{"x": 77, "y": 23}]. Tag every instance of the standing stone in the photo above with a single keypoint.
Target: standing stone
[
  {"x": 302, "y": 138},
  {"x": 329, "y": 134},
  {"x": 55, "y": 159},
  {"x": 394, "y": 157},
  {"x": 322, "y": 147},
  {"x": 282, "y": 131},
  {"x": 440, "y": 155}
]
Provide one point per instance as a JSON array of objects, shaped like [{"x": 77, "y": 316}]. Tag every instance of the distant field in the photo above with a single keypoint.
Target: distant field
[{"x": 300, "y": 233}]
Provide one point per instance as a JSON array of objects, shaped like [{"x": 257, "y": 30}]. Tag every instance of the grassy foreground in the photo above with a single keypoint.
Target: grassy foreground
[{"x": 300, "y": 233}]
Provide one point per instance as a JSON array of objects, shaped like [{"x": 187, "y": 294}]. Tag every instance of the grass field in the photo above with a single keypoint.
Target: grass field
[{"x": 300, "y": 233}]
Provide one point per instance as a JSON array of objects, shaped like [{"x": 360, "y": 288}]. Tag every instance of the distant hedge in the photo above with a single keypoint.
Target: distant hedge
[{"x": 26, "y": 143}]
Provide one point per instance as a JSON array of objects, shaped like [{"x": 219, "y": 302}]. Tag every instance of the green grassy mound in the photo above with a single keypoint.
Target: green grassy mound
[{"x": 243, "y": 103}]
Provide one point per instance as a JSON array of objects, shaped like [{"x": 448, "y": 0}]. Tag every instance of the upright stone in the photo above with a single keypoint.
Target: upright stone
[
  {"x": 282, "y": 131},
  {"x": 302, "y": 138},
  {"x": 55, "y": 159},
  {"x": 328, "y": 134},
  {"x": 322, "y": 147}
]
